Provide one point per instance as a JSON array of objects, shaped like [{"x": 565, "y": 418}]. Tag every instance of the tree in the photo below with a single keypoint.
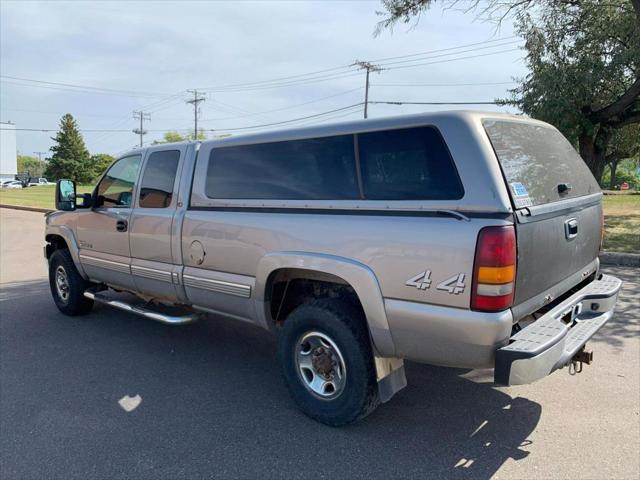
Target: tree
[
  {"x": 31, "y": 165},
  {"x": 624, "y": 147},
  {"x": 172, "y": 136},
  {"x": 584, "y": 61},
  {"x": 70, "y": 157},
  {"x": 100, "y": 163}
]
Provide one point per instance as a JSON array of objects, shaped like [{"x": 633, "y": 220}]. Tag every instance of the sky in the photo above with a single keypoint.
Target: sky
[{"x": 253, "y": 61}]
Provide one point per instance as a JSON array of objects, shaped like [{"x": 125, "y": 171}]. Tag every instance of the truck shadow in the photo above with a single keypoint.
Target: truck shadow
[
  {"x": 214, "y": 404},
  {"x": 624, "y": 324}
]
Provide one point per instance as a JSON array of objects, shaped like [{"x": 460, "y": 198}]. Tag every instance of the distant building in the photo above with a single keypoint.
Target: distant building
[{"x": 8, "y": 152}]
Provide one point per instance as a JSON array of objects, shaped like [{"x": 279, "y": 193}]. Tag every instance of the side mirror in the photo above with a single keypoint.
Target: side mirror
[{"x": 66, "y": 195}]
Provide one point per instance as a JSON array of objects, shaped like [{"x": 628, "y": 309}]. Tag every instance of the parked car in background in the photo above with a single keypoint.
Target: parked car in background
[
  {"x": 11, "y": 184},
  {"x": 35, "y": 182}
]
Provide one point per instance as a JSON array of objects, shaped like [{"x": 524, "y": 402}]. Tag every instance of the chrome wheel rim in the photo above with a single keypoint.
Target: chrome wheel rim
[
  {"x": 320, "y": 365},
  {"x": 62, "y": 283}
]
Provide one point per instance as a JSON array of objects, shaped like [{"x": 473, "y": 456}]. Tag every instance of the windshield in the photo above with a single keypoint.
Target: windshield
[{"x": 538, "y": 162}]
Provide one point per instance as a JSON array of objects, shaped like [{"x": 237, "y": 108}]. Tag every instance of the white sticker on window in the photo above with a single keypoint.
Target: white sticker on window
[{"x": 520, "y": 195}]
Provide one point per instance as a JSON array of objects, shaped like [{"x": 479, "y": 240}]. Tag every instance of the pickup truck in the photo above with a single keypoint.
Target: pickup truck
[
  {"x": 37, "y": 182},
  {"x": 461, "y": 239}
]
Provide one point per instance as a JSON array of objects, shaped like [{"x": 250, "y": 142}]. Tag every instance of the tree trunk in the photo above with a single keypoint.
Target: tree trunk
[
  {"x": 588, "y": 151},
  {"x": 612, "y": 181},
  {"x": 593, "y": 150}
]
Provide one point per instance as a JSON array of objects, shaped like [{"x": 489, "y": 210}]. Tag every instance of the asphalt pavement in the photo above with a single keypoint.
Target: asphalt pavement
[{"x": 210, "y": 403}]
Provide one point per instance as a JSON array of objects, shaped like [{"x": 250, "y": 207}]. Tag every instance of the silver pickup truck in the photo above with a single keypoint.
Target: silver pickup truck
[{"x": 460, "y": 239}]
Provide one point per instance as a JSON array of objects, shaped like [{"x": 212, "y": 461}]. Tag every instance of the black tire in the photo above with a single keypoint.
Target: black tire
[
  {"x": 73, "y": 302},
  {"x": 344, "y": 325}
]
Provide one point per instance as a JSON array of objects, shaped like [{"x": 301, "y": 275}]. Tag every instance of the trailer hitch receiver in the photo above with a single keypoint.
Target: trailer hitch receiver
[{"x": 583, "y": 356}]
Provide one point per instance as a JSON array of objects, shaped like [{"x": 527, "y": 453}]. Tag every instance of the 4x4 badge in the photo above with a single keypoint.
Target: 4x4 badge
[
  {"x": 453, "y": 285},
  {"x": 421, "y": 281}
]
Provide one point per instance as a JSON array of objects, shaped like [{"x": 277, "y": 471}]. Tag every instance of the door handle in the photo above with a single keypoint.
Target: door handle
[
  {"x": 571, "y": 228},
  {"x": 121, "y": 225}
]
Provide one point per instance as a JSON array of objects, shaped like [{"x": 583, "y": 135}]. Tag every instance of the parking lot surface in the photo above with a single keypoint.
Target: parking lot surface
[{"x": 213, "y": 404}]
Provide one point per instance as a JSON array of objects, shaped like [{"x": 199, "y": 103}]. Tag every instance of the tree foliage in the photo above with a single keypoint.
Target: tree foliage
[
  {"x": 100, "y": 163},
  {"x": 172, "y": 136},
  {"x": 31, "y": 165},
  {"x": 623, "y": 157},
  {"x": 70, "y": 157},
  {"x": 583, "y": 57}
]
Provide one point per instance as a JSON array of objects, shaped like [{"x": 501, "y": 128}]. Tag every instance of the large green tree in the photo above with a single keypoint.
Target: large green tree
[
  {"x": 70, "y": 157},
  {"x": 583, "y": 57}
]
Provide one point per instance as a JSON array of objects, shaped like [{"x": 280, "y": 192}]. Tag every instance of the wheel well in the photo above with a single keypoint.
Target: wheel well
[
  {"x": 54, "y": 242},
  {"x": 290, "y": 288}
]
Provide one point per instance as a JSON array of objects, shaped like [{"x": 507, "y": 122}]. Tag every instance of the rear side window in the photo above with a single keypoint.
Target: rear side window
[
  {"x": 313, "y": 169},
  {"x": 407, "y": 164},
  {"x": 156, "y": 188},
  {"x": 535, "y": 160}
]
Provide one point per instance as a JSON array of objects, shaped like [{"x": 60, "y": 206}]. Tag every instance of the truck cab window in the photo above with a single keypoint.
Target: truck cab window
[
  {"x": 156, "y": 188},
  {"x": 116, "y": 187}
]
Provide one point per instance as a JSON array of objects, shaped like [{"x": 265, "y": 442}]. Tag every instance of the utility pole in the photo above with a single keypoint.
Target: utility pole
[
  {"x": 140, "y": 115},
  {"x": 369, "y": 67},
  {"x": 40, "y": 155},
  {"x": 197, "y": 98}
]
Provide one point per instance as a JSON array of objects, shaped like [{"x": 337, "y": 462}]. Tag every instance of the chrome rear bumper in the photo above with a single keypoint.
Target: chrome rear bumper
[{"x": 555, "y": 338}]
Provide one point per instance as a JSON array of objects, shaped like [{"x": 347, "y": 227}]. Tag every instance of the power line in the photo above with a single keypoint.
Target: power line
[
  {"x": 436, "y": 103},
  {"x": 440, "y": 84},
  {"x": 286, "y": 108},
  {"x": 444, "y": 49},
  {"x": 322, "y": 78},
  {"x": 285, "y": 121},
  {"x": 73, "y": 87},
  {"x": 454, "y": 59},
  {"x": 338, "y": 72},
  {"x": 322, "y": 114},
  {"x": 351, "y": 73},
  {"x": 429, "y": 57},
  {"x": 276, "y": 80}
]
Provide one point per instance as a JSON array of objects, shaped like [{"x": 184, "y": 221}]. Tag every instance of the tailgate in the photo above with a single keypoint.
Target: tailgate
[{"x": 558, "y": 207}]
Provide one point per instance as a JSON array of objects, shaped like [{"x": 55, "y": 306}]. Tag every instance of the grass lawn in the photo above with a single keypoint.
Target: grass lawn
[
  {"x": 622, "y": 223},
  {"x": 42, "y": 196},
  {"x": 622, "y": 213}
]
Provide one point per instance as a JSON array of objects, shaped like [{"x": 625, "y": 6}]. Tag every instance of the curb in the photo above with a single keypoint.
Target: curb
[
  {"x": 28, "y": 209},
  {"x": 624, "y": 259}
]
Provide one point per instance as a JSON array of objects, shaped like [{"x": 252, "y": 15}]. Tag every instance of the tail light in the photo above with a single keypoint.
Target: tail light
[{"x": 494, "y": 272}]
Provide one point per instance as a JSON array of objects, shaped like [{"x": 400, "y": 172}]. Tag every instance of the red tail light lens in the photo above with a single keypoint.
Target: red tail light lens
[{"x": 494, "y": 272}]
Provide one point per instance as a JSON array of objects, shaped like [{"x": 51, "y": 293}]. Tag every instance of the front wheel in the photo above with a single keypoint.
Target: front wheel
[
  {"x": 326, "y": 358},
  {"x": 67, "y": 286}
]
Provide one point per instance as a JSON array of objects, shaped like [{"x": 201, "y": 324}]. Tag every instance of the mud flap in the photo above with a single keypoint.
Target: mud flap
[{"x": 390, "y": 376}]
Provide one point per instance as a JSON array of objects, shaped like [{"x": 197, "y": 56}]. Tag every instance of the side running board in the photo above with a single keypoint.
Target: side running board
[{"x": 142, "y": 309}]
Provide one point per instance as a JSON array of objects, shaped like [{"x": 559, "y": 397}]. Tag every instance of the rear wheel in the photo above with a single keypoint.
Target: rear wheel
[
  {"x": 67, "y": 286},
  {"x": 327, "y": 362}
]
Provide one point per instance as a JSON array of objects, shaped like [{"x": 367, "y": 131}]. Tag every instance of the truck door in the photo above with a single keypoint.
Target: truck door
[
  {"x": 155, "y": 265},
  {"x": 103, "y": 231}
]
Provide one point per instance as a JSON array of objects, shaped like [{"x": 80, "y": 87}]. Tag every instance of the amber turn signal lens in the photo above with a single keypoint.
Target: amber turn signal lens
[{"x": 496, "y": 275}]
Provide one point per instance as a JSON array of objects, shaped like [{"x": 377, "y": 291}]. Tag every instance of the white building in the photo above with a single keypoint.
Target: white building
[{"x": 8, "y": 152}]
